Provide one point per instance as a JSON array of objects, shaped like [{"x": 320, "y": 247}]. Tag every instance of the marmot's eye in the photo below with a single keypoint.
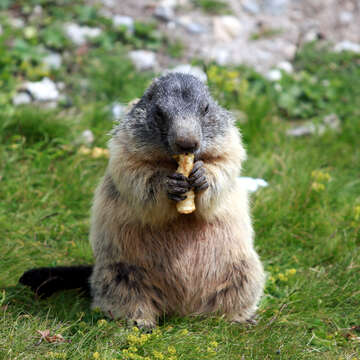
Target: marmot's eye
[
  {"x": 206, "y": 109},
  {"x": 159, "y": 114}
]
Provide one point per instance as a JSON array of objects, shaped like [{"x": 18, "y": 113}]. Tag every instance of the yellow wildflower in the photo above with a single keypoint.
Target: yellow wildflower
[
  {"x": 83, "y": 150},
  {"x": 211, "y": 351},
  {"x": 212, "y": 72},
  {"x": 214, "y": 344},
  {"x": 55, "y": 355},
  {"x": 229, "y": 86},
  {"x": 158, "y": 355},
  {"x": 135, "y": 329},
  {"x": 291, "y": 272},
  {"x": 133, "y": 349},
  {"x": 134, "y": 356},
  {"x": 233, "y": 74},
  {"x": 282, "y": 277},
  {"x": 96, "y": 355},
  {"x": 184, "y": 332},
  {"x": 357, "y": 212},
  {"x": 321, "y": 176},
  {"x": 102, "y": 322},
  {"x": 318, "y": 186},
  {"x": 173, "y": 357},
  {"x": 98, "y": 152},
  {"x": 144, "y": 338},
  {"x": 171, "y": 349},
  {"x": 157, "y": 332},
  {"x": 132, "y": 339}
]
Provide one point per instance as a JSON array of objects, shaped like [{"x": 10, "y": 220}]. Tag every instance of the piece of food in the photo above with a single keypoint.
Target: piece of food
[{"x": 186, "y": 164}]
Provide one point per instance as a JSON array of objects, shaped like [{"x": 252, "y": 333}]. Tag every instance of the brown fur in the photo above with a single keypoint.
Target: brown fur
[{"x": 150, "y": 260}]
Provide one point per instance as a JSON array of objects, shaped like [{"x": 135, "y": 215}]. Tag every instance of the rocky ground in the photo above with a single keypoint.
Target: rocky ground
[
  {"x": 264, "y": 34},
  {"x": 261, "y": 33}
]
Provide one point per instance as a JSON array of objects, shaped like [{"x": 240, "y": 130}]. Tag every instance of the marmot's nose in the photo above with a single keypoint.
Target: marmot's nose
[{"x": 186, "y": 144}]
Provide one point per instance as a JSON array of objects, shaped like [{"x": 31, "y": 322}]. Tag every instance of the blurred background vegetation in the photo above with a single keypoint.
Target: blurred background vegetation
[{"x": 59, "y": 98}]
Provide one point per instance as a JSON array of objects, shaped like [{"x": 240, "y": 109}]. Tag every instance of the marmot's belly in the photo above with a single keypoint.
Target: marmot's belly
[{"x": 187, "y": 262}]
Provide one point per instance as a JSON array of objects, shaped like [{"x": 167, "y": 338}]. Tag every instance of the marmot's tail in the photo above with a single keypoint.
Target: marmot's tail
[{"x": 46, "y": 281}]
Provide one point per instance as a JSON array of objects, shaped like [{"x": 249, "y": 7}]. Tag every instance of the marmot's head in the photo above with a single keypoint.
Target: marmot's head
[{"x": 177, "y": 114}]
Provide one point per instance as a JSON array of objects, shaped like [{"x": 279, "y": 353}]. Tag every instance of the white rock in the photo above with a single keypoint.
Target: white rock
[
  {"x": 61, "y": 85},
  {"x": 127, "y": 21},
  {"x": 164, "y": 13},
  {"x": 302, "y": 130},
  {"x": 273, "y": 75},
  {"x": 286, "y": 66},
  {"x": 171, "y": 25},
  {"x": 192, "y": 27},
  {"x": 87, "y": 137},
  {"x": 53, "y": 61},
  {"x": 226, "y": 28},
  {"x": 278, "y": 87},
  {"x": 143, "y": 59},
  {"x": 251, "y": 6},
  {"x": 79, "y": 34},
  {"x": 169, "y": 3},
  {"x": 310, "y": 36},
  {"x": 183, "y": 3},
  {"x": 118, "y": 111},
  {"x": 251, "y": 184},
  {"x": 188, "y": 69},
  {"x": 332, "y": 121},
  {"x": 275, "y": 7},
  {"x": 38, "y": 10},
  {"x": 310, "y": 128},
  {"x": 17, "y": 23},
  {"x": 44, "y": 90},
  {"x": 109, "y": 3},
  {"x": 346, "y": 17},
  {"x": 347, "y": 46},
  {"x": 290, "y": 50},
  {"x": 218, "y": 54},
  {"x": 21, "y": 98}
]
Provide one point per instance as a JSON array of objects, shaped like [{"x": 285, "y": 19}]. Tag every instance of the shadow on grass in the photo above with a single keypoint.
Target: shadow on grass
[
  {"x": 71, "y": 305},
  {"x": 66, "y": 306}
]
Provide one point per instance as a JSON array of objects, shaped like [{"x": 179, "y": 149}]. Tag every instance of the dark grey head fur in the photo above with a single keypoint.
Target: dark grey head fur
[{"x": 177, "y": 114}]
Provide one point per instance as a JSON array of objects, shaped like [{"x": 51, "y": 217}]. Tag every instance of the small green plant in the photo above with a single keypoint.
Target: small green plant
[
  {"x": 324, "y": 83},
  {"x": 176, "y": 48},
  {"x": 53, "y": 36},
  {"x": 266, "y": 33},
  {"x": 213, "y": 6}
]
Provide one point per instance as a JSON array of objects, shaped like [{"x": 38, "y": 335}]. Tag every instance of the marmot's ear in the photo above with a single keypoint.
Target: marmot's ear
[{"x": 148, "y": 94}]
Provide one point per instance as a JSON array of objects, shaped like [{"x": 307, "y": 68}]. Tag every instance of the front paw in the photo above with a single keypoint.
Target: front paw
[
  {"x": 197, "y": 178},
  {"x": 177, "y": 185}
]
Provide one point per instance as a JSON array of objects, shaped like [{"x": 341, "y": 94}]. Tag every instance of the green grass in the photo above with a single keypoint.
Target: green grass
[
  {"x": 307, "y": 221},
  {"x": 213, "y": 6}
]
